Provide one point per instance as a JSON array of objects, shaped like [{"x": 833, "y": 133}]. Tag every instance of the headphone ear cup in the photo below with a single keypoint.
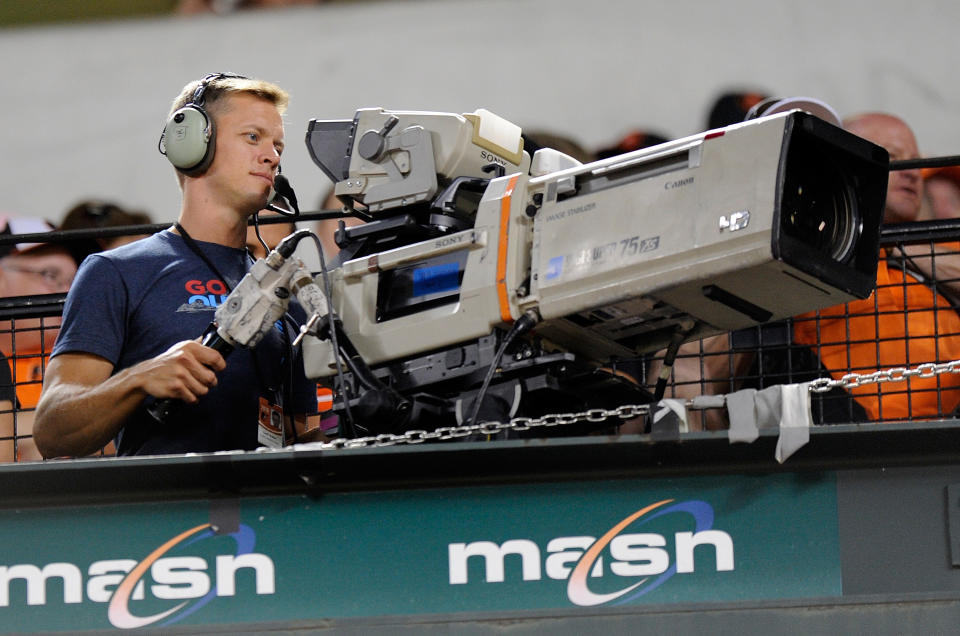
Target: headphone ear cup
[{"x": 188, "y": 140}]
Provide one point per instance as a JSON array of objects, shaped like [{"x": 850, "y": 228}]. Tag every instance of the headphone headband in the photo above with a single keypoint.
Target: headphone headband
[{"x": 198, "y": 98}]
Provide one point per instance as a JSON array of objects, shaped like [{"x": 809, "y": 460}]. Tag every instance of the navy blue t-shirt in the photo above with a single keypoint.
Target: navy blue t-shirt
[{"x": 134, "y": 302}]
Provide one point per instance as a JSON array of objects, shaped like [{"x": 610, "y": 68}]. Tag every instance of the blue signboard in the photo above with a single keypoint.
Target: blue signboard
[{"x": 494, "y": 548}]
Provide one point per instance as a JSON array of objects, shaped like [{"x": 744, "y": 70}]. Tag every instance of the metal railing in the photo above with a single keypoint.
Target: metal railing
[
  {"x": 28, "y": 328},
  {"x": 919, "y": 261}
]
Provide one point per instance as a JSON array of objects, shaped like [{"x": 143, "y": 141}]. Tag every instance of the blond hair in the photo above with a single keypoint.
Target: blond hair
[{"x": 220, "y": 87}]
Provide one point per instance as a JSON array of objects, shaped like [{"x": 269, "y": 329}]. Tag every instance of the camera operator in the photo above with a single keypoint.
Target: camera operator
[{"x": 134, "y": 313}]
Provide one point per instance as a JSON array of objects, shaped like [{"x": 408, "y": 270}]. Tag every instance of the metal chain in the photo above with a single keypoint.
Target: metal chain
[
  {"x": 625, "y": 412},
  {"x": 898, "y": 374}
]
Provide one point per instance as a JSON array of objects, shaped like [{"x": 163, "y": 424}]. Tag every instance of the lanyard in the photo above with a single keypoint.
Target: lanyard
[{"x": 192, "y": 244}]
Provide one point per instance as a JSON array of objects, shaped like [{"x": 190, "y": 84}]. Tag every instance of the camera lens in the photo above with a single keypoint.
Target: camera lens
[{"x": 818, "y": 208}]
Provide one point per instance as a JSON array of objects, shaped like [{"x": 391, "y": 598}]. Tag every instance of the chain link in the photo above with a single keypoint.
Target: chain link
[
  {"x": 517, "y": 424},
  {"x": 897, "y": 374},
  {"x": 624, "y": 412}
]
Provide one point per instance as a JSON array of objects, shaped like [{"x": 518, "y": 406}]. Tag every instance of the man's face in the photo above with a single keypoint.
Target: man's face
[
  {"x": 46, "y": 270},
  {"x": 42, "y": 271},
  {"x": 249, "y": 143},
  {"x": 944, "y": 195},
  {"x": 904, "y": 187}
]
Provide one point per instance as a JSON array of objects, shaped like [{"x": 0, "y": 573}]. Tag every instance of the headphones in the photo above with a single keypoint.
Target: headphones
[{"x": 189, "y": 137}]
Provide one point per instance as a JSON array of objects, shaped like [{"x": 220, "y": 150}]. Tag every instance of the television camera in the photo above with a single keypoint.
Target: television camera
[{"x": 490, "y": 284}]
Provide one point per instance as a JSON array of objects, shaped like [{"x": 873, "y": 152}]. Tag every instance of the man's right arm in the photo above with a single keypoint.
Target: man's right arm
[{"x": 83, "y": 405}]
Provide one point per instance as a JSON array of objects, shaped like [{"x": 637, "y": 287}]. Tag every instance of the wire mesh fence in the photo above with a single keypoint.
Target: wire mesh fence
[
  {"x": 912, "y": 319},
  {"x": 28, "y": 328}
]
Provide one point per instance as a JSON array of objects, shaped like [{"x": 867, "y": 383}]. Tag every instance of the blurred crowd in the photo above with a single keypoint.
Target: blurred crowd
[{"x": 192, "y": 7}]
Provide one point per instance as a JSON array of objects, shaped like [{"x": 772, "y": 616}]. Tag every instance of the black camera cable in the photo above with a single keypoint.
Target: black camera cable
[{"x": 525, "y": 323}]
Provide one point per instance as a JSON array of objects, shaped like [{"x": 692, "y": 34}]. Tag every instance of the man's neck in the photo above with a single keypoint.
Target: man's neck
[{"x": 214, "y": 224}]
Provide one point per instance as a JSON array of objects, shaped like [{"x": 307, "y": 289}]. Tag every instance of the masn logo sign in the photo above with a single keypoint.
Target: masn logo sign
[
  {"x": 640, "y": 561},
  {"x": 192, "y": 580}
]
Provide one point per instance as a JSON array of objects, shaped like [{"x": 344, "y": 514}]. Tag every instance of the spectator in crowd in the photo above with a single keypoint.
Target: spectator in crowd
[
  {"x": 732, "y": 107},
  {"x": 942, "y": 193},
  {"x": 908, "y": 320},
  {"x": 534, "y": 140},
  {"x": 93, "y": 214},
  {"x": 634, "y": 140},
  {"x": 192, "y": 7},
  {"x": 32, "y": 269},
  {"x": 904, "y": 187},
  {"x": 132, "y": 320},
  {"x": 28, "y": 269}
]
